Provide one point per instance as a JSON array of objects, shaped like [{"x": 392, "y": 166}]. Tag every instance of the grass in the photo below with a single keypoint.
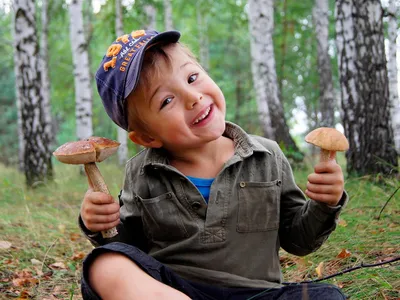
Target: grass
[{"x": 44, "y": 259}]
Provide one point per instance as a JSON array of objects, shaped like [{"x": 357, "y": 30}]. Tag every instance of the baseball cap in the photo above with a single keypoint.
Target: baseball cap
[{"x": 119, "y": 71}]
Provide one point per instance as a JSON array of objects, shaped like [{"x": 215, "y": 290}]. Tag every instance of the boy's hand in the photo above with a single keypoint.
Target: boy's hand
[
  {"x": 326, "y": 184},
  {"x": 99, "y": 211}
]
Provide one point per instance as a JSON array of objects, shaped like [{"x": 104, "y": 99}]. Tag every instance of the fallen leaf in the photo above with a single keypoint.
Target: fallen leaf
[
  {"x": 78, "y": 256},
  {"x": 342, "y": 223},
  {"x": 320, "y": 269},
  {"x": 58, "y": 265},
  {"x": 35, "y": 261},
  {"x": 5, "y": 245},
  {"x": 74, "y": 236},
  {"x": 344, "y": 253},
  {"x": 61, "y": 227}
]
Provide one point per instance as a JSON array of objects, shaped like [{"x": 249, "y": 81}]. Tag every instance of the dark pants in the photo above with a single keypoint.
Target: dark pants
[{"x": 199, "y": 291}]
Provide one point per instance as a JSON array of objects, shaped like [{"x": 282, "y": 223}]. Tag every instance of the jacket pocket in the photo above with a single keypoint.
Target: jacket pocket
[
  {"x": 162, "y": 219},
  {"x": 258, "y": 206}
]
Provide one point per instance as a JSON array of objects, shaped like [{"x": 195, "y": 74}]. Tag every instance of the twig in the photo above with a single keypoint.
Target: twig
[
  {"x": 347, "y": 271},
  {"x": 45, "y": 256},
  {"x": 387, "y": 202}
]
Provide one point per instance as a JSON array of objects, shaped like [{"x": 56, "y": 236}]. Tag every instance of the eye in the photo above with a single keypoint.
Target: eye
[
  {"x": 166, "y": 102},
  {"x": 192, "y": 78}
]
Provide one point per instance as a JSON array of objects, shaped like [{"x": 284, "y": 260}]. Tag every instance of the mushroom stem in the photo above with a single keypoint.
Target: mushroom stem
[
  {"x": 326, "y": 155},
  {"x": 99, "y": 185}
]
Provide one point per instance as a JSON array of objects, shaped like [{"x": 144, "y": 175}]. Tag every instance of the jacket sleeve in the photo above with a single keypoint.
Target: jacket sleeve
[{"x": 304, "y": 224}]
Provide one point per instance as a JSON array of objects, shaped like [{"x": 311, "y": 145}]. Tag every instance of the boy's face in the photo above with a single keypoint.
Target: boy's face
[{"x": 182, "y": 107}]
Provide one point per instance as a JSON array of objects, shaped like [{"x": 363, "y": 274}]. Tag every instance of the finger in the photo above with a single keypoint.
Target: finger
[
  {"x": 102, "y": 209},
  {"x": 100, "y": 219},
  {"x": 100, "y": 198},
  {"x": 325, "y": 178},
  {"x": 323, "y": 188},
  {"x": 102, "y": 226},
  {"x": 327, "y": 167},
  {"x": 323, "y": 198}
]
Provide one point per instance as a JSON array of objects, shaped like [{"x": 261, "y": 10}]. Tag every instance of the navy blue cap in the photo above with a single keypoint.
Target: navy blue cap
[{"x": 119, "y": 71}]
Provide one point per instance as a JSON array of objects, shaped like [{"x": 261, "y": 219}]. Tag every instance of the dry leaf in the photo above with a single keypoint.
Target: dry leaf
[
  {"x": 344, "y": 253},
  {"x": 78, "y": 256},
  {"x": 342, "y": 223},
  {"x": 5, "y": 245},
  {"x": 58, "y": 265},
  {"x": 35, "y": 261},
  {"x": 74, "y": 236},
  {"x": 61, "y": 227},
  {"x": 320, "y": 269}
]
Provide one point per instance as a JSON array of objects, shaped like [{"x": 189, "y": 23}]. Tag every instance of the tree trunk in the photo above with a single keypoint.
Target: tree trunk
[
  {"x": 168, "y": 20},
  {"x": 44, "y": 57},
  {"x": 122, "y": 134},
  {"x": 151, "y": 12},
  {"x": 393, "y": 15},
  {"x": 364, "y": 87},
  {"x": 80, "y": 56},
  {"x": 202, "y": 27},
  {"x": 326, "y": 97},
  {"x": 272, "y": 118},
  {"x": 37, "y": 157}
]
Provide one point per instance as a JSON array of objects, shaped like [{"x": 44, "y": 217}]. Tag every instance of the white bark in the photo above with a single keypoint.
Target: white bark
[
  {"x": 44, "y": 56},
  {"x": 80, "y": 55},
  {"x": 37, "y": 157},
  {"x": 122, "y": 134},
  {"x": 261, "y": 46},
  {"x": 393, "y": 11},
  {"x": 150, "y": 12},
  {"x": 168, "y": 21},
  {"x": 202, "y": 26},
  {"x": 326, "y": 97}
]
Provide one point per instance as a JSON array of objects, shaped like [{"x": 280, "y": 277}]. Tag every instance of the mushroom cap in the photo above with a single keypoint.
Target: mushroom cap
[
  {"x": 104, "y": 147},
  {"x": 93, "y": 149},
  {"x": 328, "y": 139},
  {"x": 76, "y": 153}
]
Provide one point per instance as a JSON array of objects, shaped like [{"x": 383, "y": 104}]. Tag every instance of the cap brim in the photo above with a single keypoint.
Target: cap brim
[{"x": 134, "y": 69}]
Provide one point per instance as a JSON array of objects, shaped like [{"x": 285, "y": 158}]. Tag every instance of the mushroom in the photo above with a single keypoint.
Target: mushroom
[
  {"x": 329, "y": 140},
  {"x": 88, "y": 152}
]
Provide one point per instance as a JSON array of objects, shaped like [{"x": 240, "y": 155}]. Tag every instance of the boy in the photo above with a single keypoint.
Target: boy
[{"x": 206, "y": 207}]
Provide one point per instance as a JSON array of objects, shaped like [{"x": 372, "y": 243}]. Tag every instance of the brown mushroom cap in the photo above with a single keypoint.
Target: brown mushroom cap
[
  {"x": 93, "y": 149},
  {"x": 104, "y": 147},
  {"x": 76, "y": 153},
  {"x": 328, "y": 139}
]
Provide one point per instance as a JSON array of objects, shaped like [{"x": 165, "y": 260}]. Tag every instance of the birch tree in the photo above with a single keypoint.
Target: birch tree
[
  {"x": 80, "y": 57},
  {"x": 151, "y": 13},
  {"x": 44, "y": 56},
  {"x": 364, "y": 87},
  {"x": 202, "y": 28},
  {"x": 37, "y": 157},
  {"x": 326, "y": 98},
  {"x": 393, "y": 15},
  {"x": 122, "y": 135},
  {"x": 168, "y": 20},
  {"x": 271, "y": 114}
]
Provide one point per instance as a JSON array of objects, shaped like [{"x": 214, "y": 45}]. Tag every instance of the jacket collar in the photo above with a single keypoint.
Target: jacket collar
[{"x": 245, "y": 146}]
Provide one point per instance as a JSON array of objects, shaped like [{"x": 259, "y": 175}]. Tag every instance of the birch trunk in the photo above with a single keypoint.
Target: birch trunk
[
  {"x": 168, "y": 20},
  {"x": 364, "y": 87},
  {"x": 122, "y": 134},
  {"x": 80, "y": 57},
  {"x": 326, "y": 97},
  {"x": 393, "y": 15},
  {"x": 44, "y": 56},
  {"x": 202, "y": 26},
  {"x": 272, "y": 118},
  {"x": 150, "y": 12},
  {"x": 37, "y": 157}
]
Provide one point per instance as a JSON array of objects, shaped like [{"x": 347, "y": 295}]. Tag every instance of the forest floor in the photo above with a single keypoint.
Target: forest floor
[{"x": 41, "y": 247}]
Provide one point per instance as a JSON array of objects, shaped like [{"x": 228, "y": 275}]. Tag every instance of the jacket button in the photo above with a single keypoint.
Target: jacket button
[
  {"x": 242, "y": 184},
  {"x": 279, "y": 182},
  {"x": 196, "y": 205}
]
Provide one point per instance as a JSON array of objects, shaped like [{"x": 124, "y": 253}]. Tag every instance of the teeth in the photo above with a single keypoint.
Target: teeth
[{"x": 203, "y": 116}]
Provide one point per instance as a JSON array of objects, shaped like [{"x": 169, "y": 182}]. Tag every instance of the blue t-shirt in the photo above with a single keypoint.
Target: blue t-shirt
[{"x": 203, "y": 185}]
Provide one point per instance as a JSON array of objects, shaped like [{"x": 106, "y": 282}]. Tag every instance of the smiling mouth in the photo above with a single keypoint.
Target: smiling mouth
[{"x": 203, "y": 116}]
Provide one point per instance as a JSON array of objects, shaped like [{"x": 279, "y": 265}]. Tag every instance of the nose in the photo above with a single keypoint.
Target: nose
[{"x": 192, "y": 98}]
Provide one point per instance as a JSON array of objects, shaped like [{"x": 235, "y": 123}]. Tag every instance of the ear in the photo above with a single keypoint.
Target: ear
[{"x": 144, "y": 140}]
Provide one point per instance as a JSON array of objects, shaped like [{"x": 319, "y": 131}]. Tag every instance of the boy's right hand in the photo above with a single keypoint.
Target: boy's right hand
[{"x": 99, "y": 211}]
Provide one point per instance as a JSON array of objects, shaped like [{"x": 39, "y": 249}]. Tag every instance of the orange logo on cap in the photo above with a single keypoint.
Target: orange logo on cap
[
  {"x": 113, "y": 50},
  {"x": 123, "y": 38},
  {"x": 110, "y": 63},
  {"x": 138, "y": 33}
]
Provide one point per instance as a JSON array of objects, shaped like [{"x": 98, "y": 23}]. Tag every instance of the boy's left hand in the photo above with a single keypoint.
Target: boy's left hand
[{"x": 326, "y": 185}]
